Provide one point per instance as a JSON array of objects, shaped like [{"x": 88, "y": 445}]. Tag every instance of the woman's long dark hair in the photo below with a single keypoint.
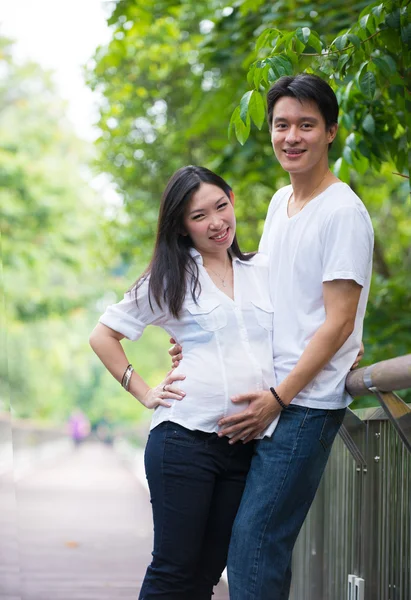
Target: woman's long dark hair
[{"x": 172, "y": 265}]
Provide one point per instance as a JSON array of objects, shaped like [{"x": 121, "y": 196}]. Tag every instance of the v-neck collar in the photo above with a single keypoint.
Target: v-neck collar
[{"x": 313, "y": 201}]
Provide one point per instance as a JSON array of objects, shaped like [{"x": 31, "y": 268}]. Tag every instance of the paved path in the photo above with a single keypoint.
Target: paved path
[{"x": 83, "y": 528}]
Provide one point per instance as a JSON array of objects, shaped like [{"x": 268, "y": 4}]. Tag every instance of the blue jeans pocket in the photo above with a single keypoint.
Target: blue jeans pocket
[
  {"x": 176, "y": 434},
  {"x": 331, "y": 425}
]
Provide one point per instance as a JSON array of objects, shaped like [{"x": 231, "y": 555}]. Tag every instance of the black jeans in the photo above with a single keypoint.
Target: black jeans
[{"x": 196, "y": 481}]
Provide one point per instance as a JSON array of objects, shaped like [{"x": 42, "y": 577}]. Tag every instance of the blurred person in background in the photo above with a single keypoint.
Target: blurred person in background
[{"x": 79, "y": 426}]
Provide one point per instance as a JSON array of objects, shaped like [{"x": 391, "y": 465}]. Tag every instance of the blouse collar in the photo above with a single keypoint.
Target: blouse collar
[{"x": 199, "y": 259}]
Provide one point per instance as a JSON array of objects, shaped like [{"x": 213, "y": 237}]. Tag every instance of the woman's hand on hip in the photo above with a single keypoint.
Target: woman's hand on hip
[{"x": 164, "y": 391}]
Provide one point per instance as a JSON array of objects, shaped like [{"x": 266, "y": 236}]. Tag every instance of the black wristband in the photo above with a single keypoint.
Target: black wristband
[{"x": 277, "y": 397}]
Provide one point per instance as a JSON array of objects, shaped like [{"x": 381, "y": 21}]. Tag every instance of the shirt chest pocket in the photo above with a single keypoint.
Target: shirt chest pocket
[
  {"x": 264, "y": 314},
  {"x": 208, "y": 313}
]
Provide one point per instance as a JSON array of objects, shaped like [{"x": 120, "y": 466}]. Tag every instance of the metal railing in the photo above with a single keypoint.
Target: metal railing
[{"x": 356, "y": 541}]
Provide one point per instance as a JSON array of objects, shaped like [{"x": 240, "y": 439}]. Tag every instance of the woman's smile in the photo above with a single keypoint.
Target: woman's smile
[{"x": 221, "y": 237}]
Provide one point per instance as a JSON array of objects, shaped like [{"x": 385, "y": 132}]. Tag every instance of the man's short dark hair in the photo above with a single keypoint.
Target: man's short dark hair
[{"x": 305, "y": 87}]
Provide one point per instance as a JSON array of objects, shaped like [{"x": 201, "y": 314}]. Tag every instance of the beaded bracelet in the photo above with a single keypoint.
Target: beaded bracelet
[{"x": 277, "y": 397}]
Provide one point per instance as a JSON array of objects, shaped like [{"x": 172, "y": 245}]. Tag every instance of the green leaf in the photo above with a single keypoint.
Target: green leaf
[
  {"x": 270, "y": 76},
  {"x": 347, "y": 91},
  {"x": 298, "y": 46},
  {"x": 367, "y": 23},
  {"x": 381, "y": 65},
  {"x": 344, "y": 58},
  {"x": 258, "y": 75},
  {"x": 279, "y": 42},
  {"x": 315, "y": 43},
  {"x": 346, "y": 121},
  {"x": 265, "y": 38},
  {"x": 360, "y": 163},
  {"x": 393, "y": 19},
  {"x": 250, "y": 74},
  {"x": 244, "y": 103},
  {"x": 257, "y": 108},
  {"x": 288, "y": 40},
  {"x": 234, "y": 117},
  {"x": 354, "y": 39},
  {"x": 303, "y": 34},
  {"x": 368, "y": 85},
  {"x": 364, "y": 149},
  {"x": 281, "y": 65},
  {"x": 377, "y": 10},
  {"x": 242, "y": 130},
  {"x": 359, "y": 73},
  {"x": 341, "y": 41},
  {"x": 390, "y": 38},
  {"x": 390, "y": 63},
  {"x": 306, "y": 31},
  {"x": 369, "y": 124},
  {"x": 406, "y": 34},
  {"x": 364, "y": 20},
  {"x": 342, "y": 170},
  {"x": 351, "y": 141},
  {"x": 294, "y": 58},
  {"x": 347, "y": 154}
]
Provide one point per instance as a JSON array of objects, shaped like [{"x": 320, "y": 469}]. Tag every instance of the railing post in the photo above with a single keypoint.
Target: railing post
[
  {"x": 353, "y": 434},
  {"x": 398, "y": 413}
]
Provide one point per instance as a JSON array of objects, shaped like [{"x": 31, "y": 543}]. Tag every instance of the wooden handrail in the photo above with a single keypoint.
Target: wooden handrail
[
  {"x": 381, "y": 379},
  {"x": 386, "y": 376}
]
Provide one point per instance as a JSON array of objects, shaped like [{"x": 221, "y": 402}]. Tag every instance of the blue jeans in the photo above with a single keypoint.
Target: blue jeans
[
  {"x": 196, "y": 481},
  {"x": 285, "y": 474}
]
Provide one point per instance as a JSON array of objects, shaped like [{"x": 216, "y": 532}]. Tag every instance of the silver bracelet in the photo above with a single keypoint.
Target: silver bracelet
[{"x": 125, "y": 382}]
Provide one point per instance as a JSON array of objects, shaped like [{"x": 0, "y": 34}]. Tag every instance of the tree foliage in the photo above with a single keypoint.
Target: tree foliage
[
  {"x": 369, "y": 66},
  {"x": 47, "y": 212},
  {"x": 54, "y": 280},
  {"x": 172, "y": 79}
]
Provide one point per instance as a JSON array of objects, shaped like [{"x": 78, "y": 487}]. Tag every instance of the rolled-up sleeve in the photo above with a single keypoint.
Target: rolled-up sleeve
[{"x": 131, "y": 315}]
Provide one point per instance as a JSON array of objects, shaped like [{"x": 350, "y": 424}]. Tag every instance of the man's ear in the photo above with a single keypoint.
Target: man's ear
[
  {"x": 232, "y": 197},
  {"x": 332, "y": 132}
]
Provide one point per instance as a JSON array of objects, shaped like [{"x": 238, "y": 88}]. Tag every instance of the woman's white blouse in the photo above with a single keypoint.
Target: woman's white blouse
[{"x": 227, "y": 344}]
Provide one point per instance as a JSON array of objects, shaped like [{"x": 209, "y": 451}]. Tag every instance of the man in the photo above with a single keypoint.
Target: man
[{"x": 319, "y": 240}]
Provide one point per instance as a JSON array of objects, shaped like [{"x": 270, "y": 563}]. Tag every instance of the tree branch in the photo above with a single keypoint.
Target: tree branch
[{"x": 339, "y": 51}]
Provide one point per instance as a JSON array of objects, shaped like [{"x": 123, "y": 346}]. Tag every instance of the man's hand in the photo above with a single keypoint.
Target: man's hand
[
  {"x": 262, "y": 410},
  {"x": 176, "y": 353},
  {"x": 359, "y": 357}
]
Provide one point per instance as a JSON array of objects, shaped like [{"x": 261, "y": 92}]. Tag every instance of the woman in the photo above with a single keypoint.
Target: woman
[{"x": 213, "y": 300}]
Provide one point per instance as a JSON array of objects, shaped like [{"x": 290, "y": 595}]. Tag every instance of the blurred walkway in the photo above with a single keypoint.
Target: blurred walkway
[{"x": 84, "y": 531}]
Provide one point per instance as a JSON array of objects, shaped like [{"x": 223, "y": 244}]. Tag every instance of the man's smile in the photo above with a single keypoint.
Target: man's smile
[{"x": 294, "y": 151}]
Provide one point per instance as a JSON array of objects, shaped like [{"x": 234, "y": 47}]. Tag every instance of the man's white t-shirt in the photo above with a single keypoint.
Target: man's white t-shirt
[{"x": 331, "y": 238}]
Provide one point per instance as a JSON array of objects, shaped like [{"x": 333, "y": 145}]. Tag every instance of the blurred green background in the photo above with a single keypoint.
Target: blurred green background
[{"x": 167, "y": 84}]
